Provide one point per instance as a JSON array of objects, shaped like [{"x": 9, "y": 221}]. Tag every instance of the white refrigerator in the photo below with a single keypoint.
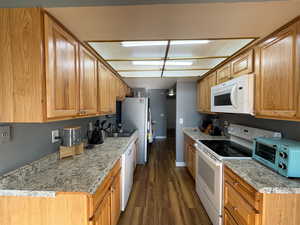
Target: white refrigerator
[{"x": 135, "y": 116}]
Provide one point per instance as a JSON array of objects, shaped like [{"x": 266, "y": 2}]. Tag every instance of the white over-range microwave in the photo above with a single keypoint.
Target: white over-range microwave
[{"x": 234, "y": 96}]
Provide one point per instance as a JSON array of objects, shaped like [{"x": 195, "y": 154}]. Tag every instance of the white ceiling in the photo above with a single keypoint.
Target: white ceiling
[
  {"x": 189, "y": 52},
  {"x": 154, "y": 83},
  {"x": 176, "y": 21}
]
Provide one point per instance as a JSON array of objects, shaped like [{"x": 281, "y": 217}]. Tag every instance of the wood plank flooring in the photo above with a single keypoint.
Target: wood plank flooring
[{"x": 163, "y": 194}]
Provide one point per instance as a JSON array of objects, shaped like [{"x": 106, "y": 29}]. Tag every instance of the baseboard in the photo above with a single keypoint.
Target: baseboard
[
  {"x": 160, "y": 137},
  {"x": 180, "y": 164}
]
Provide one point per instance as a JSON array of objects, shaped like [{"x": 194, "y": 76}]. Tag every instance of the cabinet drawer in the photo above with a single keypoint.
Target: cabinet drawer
[
  {"x": 101, "y": 191},
  {"x": 240, "y": 209},
  {"x": 248, "y": 192}
]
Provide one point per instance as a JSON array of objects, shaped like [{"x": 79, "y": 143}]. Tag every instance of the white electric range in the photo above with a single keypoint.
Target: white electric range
[{"x": 209, "y": 165}]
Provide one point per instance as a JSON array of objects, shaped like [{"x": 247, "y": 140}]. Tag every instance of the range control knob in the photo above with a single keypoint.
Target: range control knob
[
  {"x": 283, "y": 155},
  {"x": 282, "y": 166}
]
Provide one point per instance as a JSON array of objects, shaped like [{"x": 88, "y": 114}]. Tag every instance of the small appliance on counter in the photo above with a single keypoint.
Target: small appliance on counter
[
  {"x": 71, "y": 142},
  {"x": 281, "y": 155},
  {"x": 98, "y": 134}
]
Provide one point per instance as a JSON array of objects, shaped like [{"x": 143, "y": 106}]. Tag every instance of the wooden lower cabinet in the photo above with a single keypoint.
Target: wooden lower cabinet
[
  {"x": 103, "y": 213},
  {"x": 243, "y": 205},
  {"x": 116, "y": 199},
  {"x": 67, "y": 208},
  {"x": 190, "y": 155}
]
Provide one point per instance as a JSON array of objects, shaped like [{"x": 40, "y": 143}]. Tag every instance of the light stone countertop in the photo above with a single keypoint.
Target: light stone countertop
[
  {"x": 81, "y": 173},
  {"x": 260, "y": 177},
  {"x": 263, "y": 179},
  {"x": 197, "y": 135}
]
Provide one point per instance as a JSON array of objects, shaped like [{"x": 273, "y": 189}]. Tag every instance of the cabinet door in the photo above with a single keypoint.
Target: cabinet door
[
  {"x": 88, "y": 82},
  {"x": 61, "y": 51},
  {"x": 243, "y": 64},
  {"x": 198, "y": 96},
  {"x": 211, "y": 81},
  {"x": 277, "y": 76},
  {"x": 103, "y": 90},
  {"x": 203, "y": 95},
  {"x": 103, "y": 212},
  {"x": 228, "y": 220},
  {"x": 193, "y": 160},
  {"x": 113, "y": 94},
  {"x": 223, "y": 74},
  {"x": 116, "y": 200}
]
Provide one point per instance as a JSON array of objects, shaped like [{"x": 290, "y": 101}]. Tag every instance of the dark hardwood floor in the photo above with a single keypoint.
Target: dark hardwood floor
[{"x": 163, "y": 194}]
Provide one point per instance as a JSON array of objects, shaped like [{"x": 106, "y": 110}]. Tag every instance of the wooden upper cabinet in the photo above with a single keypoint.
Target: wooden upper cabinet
[
  {"x": 61, "y": 51},
  {"x": 88, "y": 82},
  {"x": 103, "y": 90},
  {"x": 224, "y": 73},
  {"x": 113, "y": 92},
  {"x": 204, "y": 93},
  {"x": 277, "y": 75},
  {"x": 242, "y": 65}
]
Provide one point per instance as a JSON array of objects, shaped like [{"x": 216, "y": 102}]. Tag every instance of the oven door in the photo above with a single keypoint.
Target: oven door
[
  {"x": 265, "y": 153},
  {"x": 225, "y": 99},
  {"x": 209, "y": 184}
]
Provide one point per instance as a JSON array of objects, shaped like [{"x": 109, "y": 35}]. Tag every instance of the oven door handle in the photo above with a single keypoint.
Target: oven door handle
[
  {"x": 233, "y": 96},
  {"x": 203, "y": 155}
]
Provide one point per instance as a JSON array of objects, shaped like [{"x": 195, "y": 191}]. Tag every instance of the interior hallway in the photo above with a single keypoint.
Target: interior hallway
[{"x": 163, "y": 194}]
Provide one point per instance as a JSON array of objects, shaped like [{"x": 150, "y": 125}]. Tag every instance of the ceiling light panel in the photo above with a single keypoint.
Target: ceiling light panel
[
  {"x": 179, "y": 73},
  {"x": 128, "y": 65},
  {"x": 189, "y": 42},
  {"x": 143, "y": 43},
  {"x": 141, "y": 74},
  {"x": 212, "y": 48},
  {"x": 196, "y": 64},
  {"x": 161, "y": 63},
  {"x": 115, "y": 50}
]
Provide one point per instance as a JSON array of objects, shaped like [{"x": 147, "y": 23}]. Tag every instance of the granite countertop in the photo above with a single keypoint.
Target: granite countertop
[
  {"x": 81, "y": 173},
  {"x": 197, "y": 135},
  {"x": 263, "y": 179}
]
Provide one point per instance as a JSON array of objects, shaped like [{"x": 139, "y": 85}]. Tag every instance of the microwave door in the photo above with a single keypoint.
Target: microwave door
[
  {"x": 225, "y": 99},
  {"x": 233, "y": 97}
]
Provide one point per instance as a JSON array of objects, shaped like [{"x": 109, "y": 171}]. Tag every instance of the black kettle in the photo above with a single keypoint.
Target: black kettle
[{"x": 97, "y": 136}]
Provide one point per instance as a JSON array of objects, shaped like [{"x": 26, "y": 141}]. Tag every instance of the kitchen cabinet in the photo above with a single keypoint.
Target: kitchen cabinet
[
  {"x": 104, "y": 106},
  {"x": 204, "y": 93},
  {"x": 113, "y": 92},
  {"x": 224, "y": 73},
  {"x": 45, "y": 69},
  {"x": 190, "y": 155},
  {"x": 116, "y": 200},
  {"x": 88, "y": 82},
  {"x": 244, "y": 205},
  {"x": 242, "y": 64},
  {"x": 277, "y": 75},
  {"x": 61, "y": 81},
  {"x": 103, "y": 212},
  {"x": 67, "y": 208}
]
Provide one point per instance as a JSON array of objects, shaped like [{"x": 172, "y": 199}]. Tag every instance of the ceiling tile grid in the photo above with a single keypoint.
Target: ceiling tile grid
[{"x": 167, "y": 58}]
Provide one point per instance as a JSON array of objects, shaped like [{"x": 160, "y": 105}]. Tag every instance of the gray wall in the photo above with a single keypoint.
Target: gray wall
[
  {"x": 289, "y": 129},
  {"x": 158, "y": 102},
  {"x": 171, "y": 113},
  {"x": 32, "y": 141},
  {"x": 185, "y": 109}
]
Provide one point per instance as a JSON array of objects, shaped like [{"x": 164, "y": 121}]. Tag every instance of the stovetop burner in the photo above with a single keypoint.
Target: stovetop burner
[{"x": 227, "y": 148}]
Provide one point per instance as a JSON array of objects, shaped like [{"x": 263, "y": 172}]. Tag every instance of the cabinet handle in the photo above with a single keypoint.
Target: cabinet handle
[
  {"x": 235, "y": 183},
  {"x": 235, "y": 208}
]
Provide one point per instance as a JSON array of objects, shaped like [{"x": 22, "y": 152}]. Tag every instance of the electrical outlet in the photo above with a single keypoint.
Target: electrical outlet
[
  {"x": 4, "y": 134},
  {"x": 55, "y": 133}
]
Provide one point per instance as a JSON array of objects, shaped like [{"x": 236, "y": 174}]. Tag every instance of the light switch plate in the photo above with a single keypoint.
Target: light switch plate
[
  {"x": 55, "y": 133},
  {"x": 181, "y": 121},
  {"x": 4, "y": 134}
]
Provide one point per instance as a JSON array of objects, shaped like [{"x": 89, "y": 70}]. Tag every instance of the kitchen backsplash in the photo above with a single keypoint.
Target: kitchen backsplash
[
  {"x": 30, "y": 142},
  {"x": 289, "y": 129}
]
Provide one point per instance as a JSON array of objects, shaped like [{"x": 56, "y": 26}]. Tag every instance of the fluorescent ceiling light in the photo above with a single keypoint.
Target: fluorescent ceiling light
[
  {"x": 189, "y": 42},
  {"x": 143, "y": 43},
  {"x": 160, "y": 63}
]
